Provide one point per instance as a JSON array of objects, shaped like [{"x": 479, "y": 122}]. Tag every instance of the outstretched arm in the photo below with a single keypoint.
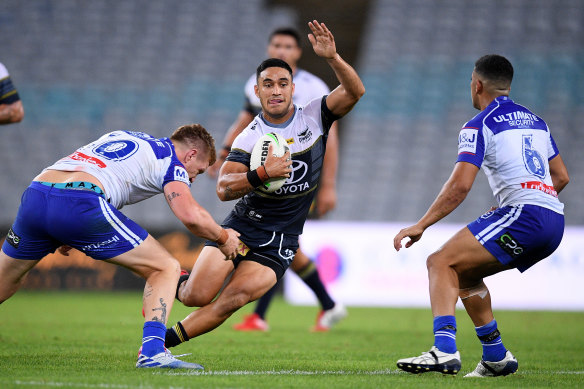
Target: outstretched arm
[
  {"x": 345, "y": 96},
  {"x": 198, "y": 220},
  {"x": 451, "y": 196}
]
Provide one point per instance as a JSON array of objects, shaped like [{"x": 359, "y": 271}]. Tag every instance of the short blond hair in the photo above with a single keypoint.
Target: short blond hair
[{"x": 196, "y": 136}]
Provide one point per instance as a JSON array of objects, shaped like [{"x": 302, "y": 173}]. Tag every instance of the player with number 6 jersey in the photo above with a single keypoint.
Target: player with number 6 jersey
[{"x": 515, "y": 149}]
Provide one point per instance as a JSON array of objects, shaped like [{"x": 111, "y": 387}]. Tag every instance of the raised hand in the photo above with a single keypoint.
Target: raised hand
[{"x": 322, "y": 40}]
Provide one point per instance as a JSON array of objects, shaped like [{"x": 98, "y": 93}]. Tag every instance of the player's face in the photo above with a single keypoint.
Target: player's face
[
  {"x": 275, "y": 89},
  {"x": 196, "y": 163},
  {"x": 284, "y": 47},
  {"x": 473, "y": 91}
]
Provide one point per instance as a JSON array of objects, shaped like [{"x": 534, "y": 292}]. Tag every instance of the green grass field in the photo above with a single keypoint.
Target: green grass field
[{"x": 90, "y": 340}]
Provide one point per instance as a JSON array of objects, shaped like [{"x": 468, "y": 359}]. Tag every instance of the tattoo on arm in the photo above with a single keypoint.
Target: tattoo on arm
[
  {"x": 172, "y": 196},
  {"x": 162, "y": 310},
  {"x": 230, "y": 194}
]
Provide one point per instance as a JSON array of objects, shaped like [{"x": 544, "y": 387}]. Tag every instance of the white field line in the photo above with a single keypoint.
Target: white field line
[{"x": 57, "y": 384}]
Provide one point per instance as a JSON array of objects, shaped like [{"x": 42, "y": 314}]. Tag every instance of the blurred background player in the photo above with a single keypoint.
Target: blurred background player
[
  {"x": 526, "y": 172},
  {"x": 285, "y": 44},
  {"x": 11, "y": 110},
  {"x": 270, "y": 224},
  {"x": 75, "y": 202}
]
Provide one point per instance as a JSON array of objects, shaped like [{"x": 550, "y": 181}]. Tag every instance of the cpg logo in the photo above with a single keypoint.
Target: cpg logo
[
  {"x": 510, "y": 245},
  {"x": 116, "y": 150}
]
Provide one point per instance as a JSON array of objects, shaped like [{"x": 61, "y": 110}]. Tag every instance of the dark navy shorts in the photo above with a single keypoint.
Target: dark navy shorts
[
  {"x": 50, "y": 217},
  {"x": 275, "y": 250},
  {"x": 519, "y": 235}
]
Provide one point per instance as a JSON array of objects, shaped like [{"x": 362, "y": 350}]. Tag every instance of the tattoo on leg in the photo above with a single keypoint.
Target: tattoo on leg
[
  {"x": 147, "y": 291},
  {"x": 162, "y": 310}
]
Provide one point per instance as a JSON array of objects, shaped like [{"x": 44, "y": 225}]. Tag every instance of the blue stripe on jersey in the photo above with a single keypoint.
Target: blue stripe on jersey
[
  {"x": 163, "y": 148},
  {"x": 554, "y": 147}
]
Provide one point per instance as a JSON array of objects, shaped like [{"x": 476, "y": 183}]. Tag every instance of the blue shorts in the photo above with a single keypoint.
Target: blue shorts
[
  {"x": 50, "y": 217},
  {"x": 519, "y": 235},
  {"x": 273, "y": 249}
]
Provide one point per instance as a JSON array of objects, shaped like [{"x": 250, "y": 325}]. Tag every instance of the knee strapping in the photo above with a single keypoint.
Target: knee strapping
[{"x": 479, "y": 289}]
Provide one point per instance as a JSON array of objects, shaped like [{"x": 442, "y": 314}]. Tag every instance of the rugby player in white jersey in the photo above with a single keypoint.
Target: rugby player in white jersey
[
  {"x": 11, "y": 110},
  {"x": 285, "y": 44},
  {"x": 269, "y": 223},
  {"x": 75, "y": 203},
  {"x": 525, "y": 171}
]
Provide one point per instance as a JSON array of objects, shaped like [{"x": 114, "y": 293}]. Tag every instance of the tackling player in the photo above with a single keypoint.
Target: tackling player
[
  {"x": 525, "y": 171},
  {"x": 75, "y": 202},
  {"x": 270, "y": 224},
  {"x": 284, "y": 43}
]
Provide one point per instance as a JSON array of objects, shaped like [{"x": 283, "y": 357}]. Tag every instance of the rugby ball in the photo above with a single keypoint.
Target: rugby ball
[{"x": 260, "y": 153}]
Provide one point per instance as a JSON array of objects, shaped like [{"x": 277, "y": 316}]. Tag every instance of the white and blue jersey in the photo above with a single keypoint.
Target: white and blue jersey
[
  {"x": 514, "y": 146},
  {"x": 131, "y": 166}
]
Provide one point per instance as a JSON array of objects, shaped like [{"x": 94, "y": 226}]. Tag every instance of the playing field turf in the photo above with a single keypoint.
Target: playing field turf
[{"x": 90, "y": 340}]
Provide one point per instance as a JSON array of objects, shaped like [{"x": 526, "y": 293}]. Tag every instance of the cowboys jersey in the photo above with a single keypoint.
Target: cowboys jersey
[{"x": 306, "y": 132}]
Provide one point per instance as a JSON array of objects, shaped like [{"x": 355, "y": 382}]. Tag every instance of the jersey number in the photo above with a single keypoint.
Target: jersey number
[{"x": 532, "y": 159}]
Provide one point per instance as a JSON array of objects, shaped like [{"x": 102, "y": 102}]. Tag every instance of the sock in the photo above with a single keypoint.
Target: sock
[
  {"x": 490, "y": 337},
  {"x": 153, "y": 338},
  {"x": 264, "y": 302},
  {"x": 445, "y": 333},
  {"x": 181, "y": 279},
  {"x": 311, "y": 278},
  {"x": 175, "y": 335}
]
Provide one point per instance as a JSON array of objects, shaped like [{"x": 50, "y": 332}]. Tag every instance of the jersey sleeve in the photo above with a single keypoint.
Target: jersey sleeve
[
  {"x": 318, "y": 109},
  {"x": 8, "y": 93},
  {"x": 471, "y": 145},
  {"x": 176, "y": 172},
  {"x": 553, "y": 150}
]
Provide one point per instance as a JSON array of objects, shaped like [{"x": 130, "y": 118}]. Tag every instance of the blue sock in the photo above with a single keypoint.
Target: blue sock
[
  {"x": 445, "y": 333},
  {"x": 153, "y": 338},
  {"x": 493, "y": 349}
]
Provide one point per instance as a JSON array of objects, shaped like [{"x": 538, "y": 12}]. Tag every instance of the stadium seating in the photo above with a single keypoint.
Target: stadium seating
[{"x": 86, "y": 67}]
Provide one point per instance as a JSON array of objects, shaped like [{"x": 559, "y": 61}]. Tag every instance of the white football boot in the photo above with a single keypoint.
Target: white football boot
[
  {"x": 326, "y": 319},
  {"x": 505, "y": 366},
  {"x": 165, "y": 360},
  {"x": 433, "y": 360}
]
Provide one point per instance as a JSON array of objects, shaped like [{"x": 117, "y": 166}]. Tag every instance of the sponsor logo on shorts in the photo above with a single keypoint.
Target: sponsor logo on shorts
[
  {"x": 13, "y": 239},
  {"x": 242, "y": 249},
  {"x": 510, "y": 245},
  {"x": 77, "y": 156},
  {"x": 99, "y": 246}
]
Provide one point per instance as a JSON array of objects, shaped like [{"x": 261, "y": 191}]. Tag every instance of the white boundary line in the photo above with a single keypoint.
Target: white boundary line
[{"x": 250, "y": 373}]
